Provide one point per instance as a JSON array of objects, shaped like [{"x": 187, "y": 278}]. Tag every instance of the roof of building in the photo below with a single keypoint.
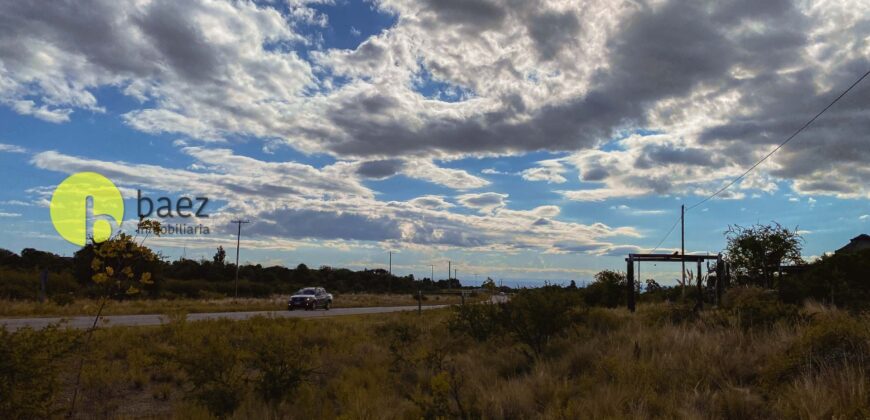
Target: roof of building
[{"x": 857, "y": 243}]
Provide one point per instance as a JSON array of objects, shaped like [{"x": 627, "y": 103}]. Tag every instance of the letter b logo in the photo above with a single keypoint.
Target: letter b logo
[{"x": 69, "y": 207}]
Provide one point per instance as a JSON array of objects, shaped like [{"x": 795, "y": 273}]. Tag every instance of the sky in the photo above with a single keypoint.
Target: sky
[{"x": 527, "y": 141}]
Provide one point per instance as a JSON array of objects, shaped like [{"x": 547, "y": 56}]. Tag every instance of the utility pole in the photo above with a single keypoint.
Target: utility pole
[
  {"x": 432, "y": 278},
  {"x": 238, "y": 243},
  {"x": 449, "y": 270},
  {"x": 455, "y": 277},
  {"x": 391, "y": 263},
  {"x": 683, "y": 244}
]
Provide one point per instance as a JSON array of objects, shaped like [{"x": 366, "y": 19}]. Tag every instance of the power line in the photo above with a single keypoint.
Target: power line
[
  {"x": 808, "y": 123},
  {"x": 735, "y": 180},
  {"x": 666, "y": 236}
]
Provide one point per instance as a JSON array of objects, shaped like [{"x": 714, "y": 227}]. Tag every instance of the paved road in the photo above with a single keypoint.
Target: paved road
[{"x": 82, "y": 322}]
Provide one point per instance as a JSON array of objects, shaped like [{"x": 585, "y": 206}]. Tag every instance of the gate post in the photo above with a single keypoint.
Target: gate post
[
  {"x": 720, "y": 278},
  {"x": 629, "y": 277}
]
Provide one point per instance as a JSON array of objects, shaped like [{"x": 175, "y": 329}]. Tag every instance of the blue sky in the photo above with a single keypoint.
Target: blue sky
[{"x": 522, "y": 143}]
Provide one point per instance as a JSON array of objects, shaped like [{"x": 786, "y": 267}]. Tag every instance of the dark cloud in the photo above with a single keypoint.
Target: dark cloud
[
  {"x": 553, "y": 31},
  {"x": 659, "y": 155},
  {"x": 594, "y": 173},
  {"x": 182, "y": 45},
  {"x": 483, "y": 200},
  {"x": 297, "y": 223},
  {"x": 380, "y": 169},
  {"x": 471, "y": 15}
]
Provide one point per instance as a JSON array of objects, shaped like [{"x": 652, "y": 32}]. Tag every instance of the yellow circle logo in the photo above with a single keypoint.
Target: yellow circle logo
[{"x": 72, "y": 199}]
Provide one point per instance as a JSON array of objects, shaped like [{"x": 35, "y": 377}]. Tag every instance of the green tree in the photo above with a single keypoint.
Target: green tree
[
  {"x": 756, "y": 252},
  {"x": 489, "y": 284},
  {"x": 608, "y": 289},
  {"x": 220, "y": 256}
]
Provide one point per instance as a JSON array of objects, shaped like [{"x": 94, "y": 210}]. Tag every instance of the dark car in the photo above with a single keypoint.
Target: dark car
[{"x": 310, "y": 298}]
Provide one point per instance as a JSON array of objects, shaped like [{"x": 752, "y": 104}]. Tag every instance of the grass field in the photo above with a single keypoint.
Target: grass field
[
  {"x": 28, "y": 308},
  {"x": 607, "y": 363}
]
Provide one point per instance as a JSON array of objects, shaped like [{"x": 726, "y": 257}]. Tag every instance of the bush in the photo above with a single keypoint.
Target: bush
[
  {"x": 756, "y": 307},
  {"x": 211, "y": 357},
  {"x": 607, "y": 290},
  {"x": 830, "y": 341},
  {"x": 30, "y": 361},
  {"x": 535, "y": 316},
  {"x": 670, "y": 313},
  {"x": 839, "y": 279},
  {"x": 479, "y": 322},
  {"x": 279, "y": 358}
]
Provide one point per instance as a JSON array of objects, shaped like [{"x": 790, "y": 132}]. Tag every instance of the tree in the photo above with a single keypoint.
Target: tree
[
  {"x": 608, "y": 289},
  {"x": 489, "y": 284},
  {"x": 220, "y": 256},
  {"x": 756, "y": 252}
]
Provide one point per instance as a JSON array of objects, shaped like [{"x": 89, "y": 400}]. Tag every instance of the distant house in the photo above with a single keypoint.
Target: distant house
[{"x": 858, "y": 243}]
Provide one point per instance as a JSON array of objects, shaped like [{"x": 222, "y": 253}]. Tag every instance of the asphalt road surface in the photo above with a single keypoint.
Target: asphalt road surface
[{"x": 83, "y": 322}]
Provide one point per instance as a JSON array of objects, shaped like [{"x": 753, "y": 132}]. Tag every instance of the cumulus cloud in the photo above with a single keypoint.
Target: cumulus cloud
[
  {"x": 434, "y": 202},
  {"x": 550, "y": 171},
  {"x": 291, "y": 202},
  {"x": 644, "y": 97},
  {"x": 484, "y": 202},
  {"x": 448, "y": 177},
  {"x": 722, "y": 81}
]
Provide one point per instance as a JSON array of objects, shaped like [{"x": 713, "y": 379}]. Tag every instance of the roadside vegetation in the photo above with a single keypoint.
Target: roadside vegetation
[
  {"x": 775, "y": 346},
  {"x": 523, "y": 359}
]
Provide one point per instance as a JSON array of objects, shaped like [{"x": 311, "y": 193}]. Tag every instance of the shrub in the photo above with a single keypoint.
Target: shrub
[
  {"x": 281, "y": 362},
  {"x": 400, "y": 336},
  {"x": 30, "y": 361},
  {"x": 479, "y": 322},
  {"x": 607, "y": 290},
  {"x": 670, "y": 313},
  {"x": 830, "y": 341},
  {"x": 535, "y": 316},
  {"x": 756, "y": 307},
  {"x": 211, "y": 357}
]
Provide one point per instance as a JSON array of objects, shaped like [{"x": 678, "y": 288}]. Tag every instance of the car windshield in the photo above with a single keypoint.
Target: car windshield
[{"x": 307, "y": 291}]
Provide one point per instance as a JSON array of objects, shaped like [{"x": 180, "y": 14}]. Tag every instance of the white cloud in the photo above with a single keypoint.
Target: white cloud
[
  {"x": 550, "y": 171},
  {"x": 291, "y": 202},
  {"x": 434, "y": 202},
  {"x": 11, "y": 148},
  {"x": 484, "y": 202},
  {"x": 527, "y": 76},
  {"x": 448, "y": 177},
  {"x": 637, "y": 212}
]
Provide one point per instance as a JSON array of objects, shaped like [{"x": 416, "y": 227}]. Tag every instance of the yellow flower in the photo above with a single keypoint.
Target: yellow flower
[
  {"x": 99, "y": 278},
  {"x": 146, "y": 278},
  {"x": 110, "y": 271},
  {"x": 96, "y": 264},
  {"x": 128, "y": 272},
  {"x": 132, "y": 290}
]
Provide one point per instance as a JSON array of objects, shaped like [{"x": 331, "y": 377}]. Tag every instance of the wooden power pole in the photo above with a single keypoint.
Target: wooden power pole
[
  {"x": 683, "y": 244},
  {"x": 238, "y": 243}
]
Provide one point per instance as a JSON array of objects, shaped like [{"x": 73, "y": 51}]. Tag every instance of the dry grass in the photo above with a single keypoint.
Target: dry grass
[
  {"x": 24, "y": 308},
  {"x": 610, "y": 365}
]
